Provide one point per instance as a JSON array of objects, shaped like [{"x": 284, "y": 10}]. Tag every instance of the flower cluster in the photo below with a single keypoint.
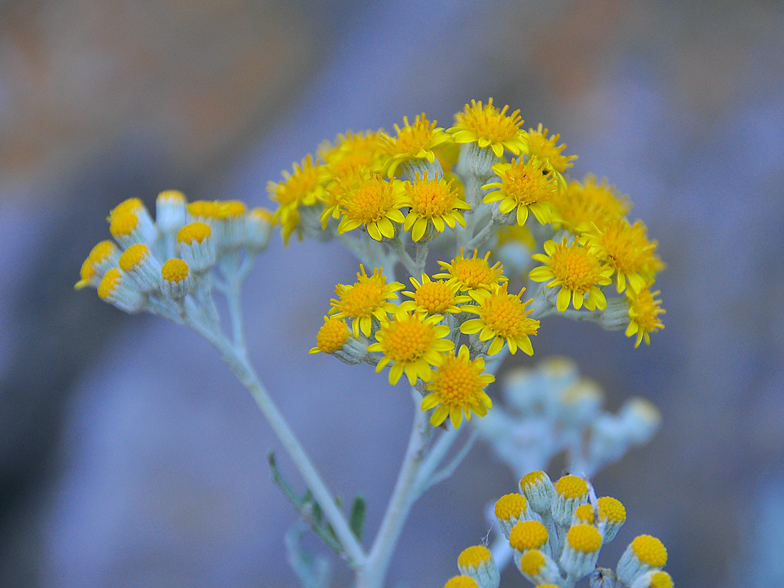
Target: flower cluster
[
  {"x": 163, "y": 266},
  {"x": 555, "y": 533},
  {"x": 517, "y": 240}
]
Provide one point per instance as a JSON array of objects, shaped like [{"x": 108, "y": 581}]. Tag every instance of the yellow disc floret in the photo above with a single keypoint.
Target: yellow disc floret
[
  {"x": 470, "y": 273},
  {"x": 584, "y": 513},
  {"x": 457, "y": 388},
  {"x": 433, "y": 297},
  {"x": 365, "y": 299},
  {"x": 412, "y": 345},
  {"x": 133, "y": 257},
  {"x": 612, "y": 510},
  {"x": 510, "y": 506},
  {"x": 581, "y": 206},
  {"x": 432, "y": 201},
  {"x": 194, "y": 232},
  {"x": 175, "y": 270},
  {"x": 571, "y": 487},
  {"x": 531, "y": 479},
  {"x": 204, "y": 209},
  {"x": 123, "y": 223},
  {"x": 109, "y": 283},
  {"x": 661, "y": 580},
  {"x": 528, "y": 535},
  {"x": 332, "y": 335},
  {"x": 584, "y": 538},
  {"x": 474, "y": 556},
  {"x": 524, "y": 187},
  {"x": 461, "y": 582},
  {"x": 124, "y": 207},
  {"x": 532, "y": 562},
  {"x": 577, "y": 270},
  {"x": 539, "y": 145},
  {"x": 649, "y": 550},
  {"x": 488, "y": 127},
  {"x": 626, "y": 249},
  {"x": 99, "y": 255},
  {"x": 415, "y": 141},
  {"x": 503, "y": 317},
  {"x": 303, "y": 187},
  {"x": 365, "y": 199}
]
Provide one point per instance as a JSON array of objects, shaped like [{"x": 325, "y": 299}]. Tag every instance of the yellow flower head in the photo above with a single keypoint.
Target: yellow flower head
[
  {"x": 416, "y": 141},
  {"x": 581, "y": 206},
  {"x": 457, "y": 388},
  {"x": 626, "y": 249},
  {"x": 524, "y": 186},
  {"x": 461, "y": 582},
  {"x": 412, "y": 345},
  {"x": 102, "y": 256},
  {"x": 364, "y": 198},
  {"x": 650, "y": 551},
  {"x": 503, "y": 318},
  {"x": 351, "y": 151},
  {"x": 332, "y": 335},
  {"x": 487, "y": 126},
  {"x": 527, "y": 535},
  {"x": 471, "y": 273},
  {"x": 539, "y": 145},
  {"x": 433, "y": 202},
  {"x": 577, "y": 270},
  {"x": 303, "y": 187},
  {"x": 365, "y": 299},
  {"x": 644, "y": 311},
  {"x": 431, "y": 297}
]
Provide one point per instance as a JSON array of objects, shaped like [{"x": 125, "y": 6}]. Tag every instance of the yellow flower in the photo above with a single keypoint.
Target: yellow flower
[
  {"x": 577, "y": 270},
  {"x": 644, "y": 311},
  {"x": 487, "y": 126},
  {"x": 351, "y": 151},
  {"x": 332, "y": 335},
  {"x": 364, "y": 198},
  {"x": 502, "y": 317},
  {"x": 524, "y": 186},
  {"x": 433, "y": 297},
  {"x": 457, "y": 388},
  {"x": 581, "y": 206},
  {"x": 432, "y": 202},
  {"x": 472, "y": 272},
  {"x": 626, "y": 249},
  {"x": 365, "y": 299},
  {"x": 301, "y": 188},
  {"x": 539, "y": 145},
  {"x": 412, "y": 345},
  {"x": 416, "y": 141}
]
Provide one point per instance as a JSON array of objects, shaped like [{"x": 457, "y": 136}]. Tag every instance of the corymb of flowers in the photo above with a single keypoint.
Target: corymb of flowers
[{"x": 515, "y": 240}]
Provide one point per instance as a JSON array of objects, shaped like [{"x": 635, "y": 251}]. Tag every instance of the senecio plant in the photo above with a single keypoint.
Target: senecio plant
[{"x": 516, "y": 241}]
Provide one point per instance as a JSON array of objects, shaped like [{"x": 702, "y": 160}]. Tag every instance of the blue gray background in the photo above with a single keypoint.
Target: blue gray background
[{"x": 129, "y": 456}]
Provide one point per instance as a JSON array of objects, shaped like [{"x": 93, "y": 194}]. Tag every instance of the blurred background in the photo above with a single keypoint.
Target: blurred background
[{"x": 130, "y": 456}]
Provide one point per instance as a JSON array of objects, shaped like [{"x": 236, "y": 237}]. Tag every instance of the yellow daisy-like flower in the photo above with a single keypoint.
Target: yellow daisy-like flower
[
  {"x": 487, "y": 126},
  {"x": 626, "y": 249},
  {"x": 412, "y": 345},
  {"x": 432, "y": 202},
  {"x": 502, "y": 317},
  {"x": 331, "y": 337},
  {"x": 644, "y": 311},
  {"x": 432, "y": 297},
  {"x": 524, "y": 186},
  {"x": 416, "y": 141},
  {"x": 365, "y": 299},
  {"x": 577, "y": 270},
  {"x": 301, "y": 188},
  {"x": 470, "y": 273},
  {"x": 582, "y": 205},
  {"x": 365, "y": 199},
  {"x": 351, "y": 151},
  {"x": 457, "y": 388},
  {"x": 539, "y": 145}
]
